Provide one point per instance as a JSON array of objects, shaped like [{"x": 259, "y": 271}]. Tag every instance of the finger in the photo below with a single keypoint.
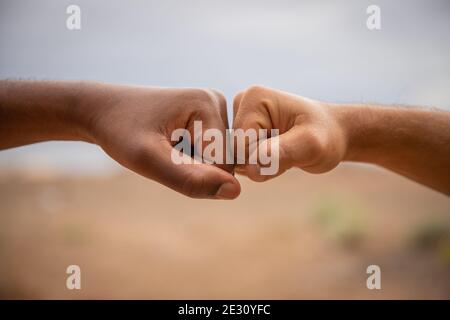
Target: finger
[
  {"x": 191, "y": 178},
  {"x": 275, "y": 155},
  {"x": 207, "y": 126},
  {"x": 298, "y": 147},
  {"x": 214, "y": 146},
  {"x": 268, "y": 164},
  {"x": 250, "y": 117},
  {"x": 221, "y": 105},
  {"x": 236, "y": 102}
]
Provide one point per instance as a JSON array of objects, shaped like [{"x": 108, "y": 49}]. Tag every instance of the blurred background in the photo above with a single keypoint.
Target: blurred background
[{"x": 298, "y": 236}]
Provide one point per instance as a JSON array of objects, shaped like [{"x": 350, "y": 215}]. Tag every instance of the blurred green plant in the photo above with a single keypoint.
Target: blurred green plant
[
  {"x": 342, "y": 220},
  {"x": 434, "y": 236}
]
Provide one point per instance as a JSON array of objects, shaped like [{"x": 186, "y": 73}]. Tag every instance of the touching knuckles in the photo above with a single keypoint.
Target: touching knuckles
[{"x": 305, "y": 140}]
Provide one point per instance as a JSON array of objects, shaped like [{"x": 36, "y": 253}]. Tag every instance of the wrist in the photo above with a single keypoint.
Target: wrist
[
  {"x": 359, "y": 126},
  {"x": 374, "y": 134},
  {"x": 89, "y": 99}
]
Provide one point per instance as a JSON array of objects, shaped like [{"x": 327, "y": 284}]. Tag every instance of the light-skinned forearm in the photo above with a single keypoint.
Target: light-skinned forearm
[{"x": 414, "y": 142}]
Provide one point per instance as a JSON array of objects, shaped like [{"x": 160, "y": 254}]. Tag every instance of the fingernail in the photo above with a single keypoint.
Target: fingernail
[{"x": 226, "y": 191}]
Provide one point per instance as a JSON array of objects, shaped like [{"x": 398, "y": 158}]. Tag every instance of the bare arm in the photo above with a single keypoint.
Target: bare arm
[
  {"x": 132, "y": 124},
  {"x": 33, "y": 111},
  {"x": 413, "y": 142},
  {"x": 317, "y": 136}
]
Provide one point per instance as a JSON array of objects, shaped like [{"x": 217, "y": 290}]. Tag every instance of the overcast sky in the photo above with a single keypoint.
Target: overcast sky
[{"x": 320, "y": 49}]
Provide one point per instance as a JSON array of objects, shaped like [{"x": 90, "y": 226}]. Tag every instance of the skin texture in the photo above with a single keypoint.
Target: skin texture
[
  {"x": 317, "y": 136},
  {"x": 134, "y": 124},
  {"x": 131, "y": 124}
]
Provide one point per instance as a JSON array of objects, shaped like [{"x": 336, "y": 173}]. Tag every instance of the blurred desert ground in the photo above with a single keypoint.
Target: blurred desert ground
[{"x": 298, "y": 236}]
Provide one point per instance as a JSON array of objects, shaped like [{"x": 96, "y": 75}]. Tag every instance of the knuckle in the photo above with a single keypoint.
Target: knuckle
[
  {"x": 207, "y": 101},
  {"x": 255, "y": 91},
  {"x": 316, "y": 145},
  {"x": 218, "y": 95},
  {"x": 257, "y": 99},
  {"x": 199, "y": 96},
  {"x": 220, "y": 102},
  {"x": 237, "y": 100}
]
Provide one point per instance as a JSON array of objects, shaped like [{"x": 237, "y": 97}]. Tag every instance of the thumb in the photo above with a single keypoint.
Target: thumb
[
  {"x": 189, "y": 177},
  {"x": 294, "y": 148},
  {"x": 306, "y": 148}
]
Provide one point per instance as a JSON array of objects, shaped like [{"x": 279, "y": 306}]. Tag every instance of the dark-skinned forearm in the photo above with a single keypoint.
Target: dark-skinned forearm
[{"x": 34, "y": 111}]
